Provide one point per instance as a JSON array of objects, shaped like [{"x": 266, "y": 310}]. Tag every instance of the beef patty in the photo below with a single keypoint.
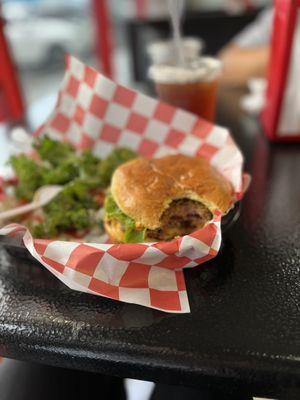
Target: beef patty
[{"x": 182, "y": 217}]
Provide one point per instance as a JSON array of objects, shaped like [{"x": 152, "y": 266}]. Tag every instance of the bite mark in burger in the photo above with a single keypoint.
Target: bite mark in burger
[{"x": 160, "y": 199}]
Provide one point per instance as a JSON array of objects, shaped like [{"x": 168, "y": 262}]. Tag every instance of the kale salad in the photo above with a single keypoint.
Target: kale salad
[{"x": 77, "y": 210}]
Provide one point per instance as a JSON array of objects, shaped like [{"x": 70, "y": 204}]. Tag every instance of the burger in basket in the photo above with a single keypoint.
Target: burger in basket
[
  {"x": 168, "y": 207},
  {"x": 160, "y": 199}
]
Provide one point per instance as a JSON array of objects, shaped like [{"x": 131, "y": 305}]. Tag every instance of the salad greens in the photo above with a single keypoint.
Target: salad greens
[
  {"x": 52, "y": 150},
  {"x": 83, "y": 174},
  {"x": 30, "y": 176},
  {"x": 70, "y": 209},
  {"x": 116, "y": 158},
  {"x": 112, "y": 211},
  {"x": 62, "y": 174}
]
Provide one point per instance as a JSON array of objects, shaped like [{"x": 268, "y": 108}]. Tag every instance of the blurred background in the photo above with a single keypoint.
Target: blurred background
[
  {"x": 110, "y": 35},
  {"x": 113, "y": 36}
]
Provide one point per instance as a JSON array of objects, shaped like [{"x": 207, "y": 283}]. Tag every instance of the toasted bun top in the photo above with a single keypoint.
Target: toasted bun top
[{"x": 144, "y": 188}]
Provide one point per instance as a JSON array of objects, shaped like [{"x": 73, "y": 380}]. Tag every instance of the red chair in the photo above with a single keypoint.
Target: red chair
[
  {"x": 103, "y": 31},
  {"x": 11, "y": 102}
]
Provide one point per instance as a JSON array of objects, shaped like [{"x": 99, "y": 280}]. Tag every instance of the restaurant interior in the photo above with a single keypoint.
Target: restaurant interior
[{"x": 223, "y": 85}]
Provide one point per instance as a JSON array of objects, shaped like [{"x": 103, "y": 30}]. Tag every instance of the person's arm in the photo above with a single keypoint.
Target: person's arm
[
  {"x": 240, "y": 64},
  {"x": 247, "y": 55}
]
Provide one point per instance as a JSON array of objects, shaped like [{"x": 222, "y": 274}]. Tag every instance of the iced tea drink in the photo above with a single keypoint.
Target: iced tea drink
[{"x": 192, "y": 87}]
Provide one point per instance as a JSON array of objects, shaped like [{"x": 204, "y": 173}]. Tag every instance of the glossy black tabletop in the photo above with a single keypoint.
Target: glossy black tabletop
[{"x": 244, "y": 328}]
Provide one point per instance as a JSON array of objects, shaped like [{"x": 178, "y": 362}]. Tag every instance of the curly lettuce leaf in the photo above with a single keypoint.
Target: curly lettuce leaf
[
  {"x": 53, "y": 151},
  {"x": 89, "y": 163},
  {"x": 62, "y": 174},
  {"x": 135, "y": 236},
  {"x": 112, "y": 162},
  {"x": 30, "y": 176},
  {"x": 112, "y": 211}
]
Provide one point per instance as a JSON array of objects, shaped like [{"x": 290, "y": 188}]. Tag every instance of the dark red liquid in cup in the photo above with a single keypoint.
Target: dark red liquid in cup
[{"x": 196, "y": 97}]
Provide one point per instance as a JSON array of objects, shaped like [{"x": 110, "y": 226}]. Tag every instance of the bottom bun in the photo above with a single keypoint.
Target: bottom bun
[{"x": 114, "y": 230}]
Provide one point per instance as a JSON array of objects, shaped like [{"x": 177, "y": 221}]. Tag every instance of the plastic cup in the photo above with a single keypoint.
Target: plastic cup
[
  {"x": 192, "y": 87},
  {"x": 162, "y": 52}
]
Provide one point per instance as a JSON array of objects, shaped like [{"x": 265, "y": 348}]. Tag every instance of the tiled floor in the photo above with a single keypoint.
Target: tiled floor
[{"x": 25, "y": 381}]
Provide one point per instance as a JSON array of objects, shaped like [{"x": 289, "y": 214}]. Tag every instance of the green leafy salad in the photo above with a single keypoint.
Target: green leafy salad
[{"x": 84, "y": 176}]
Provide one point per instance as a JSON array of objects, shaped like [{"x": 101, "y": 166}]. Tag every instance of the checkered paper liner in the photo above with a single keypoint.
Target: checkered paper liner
[{"x": 94, "y": 112}]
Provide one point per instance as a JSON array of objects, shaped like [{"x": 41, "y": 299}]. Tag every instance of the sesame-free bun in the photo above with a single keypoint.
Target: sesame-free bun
[{"x": 144, "y": 188}]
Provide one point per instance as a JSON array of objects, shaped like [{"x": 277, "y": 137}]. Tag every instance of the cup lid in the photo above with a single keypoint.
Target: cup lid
[
  {"x": 165, "y": 45},
  {"x": 199, "y": 69}
]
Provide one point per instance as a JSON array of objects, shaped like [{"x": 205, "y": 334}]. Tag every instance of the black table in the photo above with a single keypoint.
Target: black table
[{"x": 243, "y": 333}]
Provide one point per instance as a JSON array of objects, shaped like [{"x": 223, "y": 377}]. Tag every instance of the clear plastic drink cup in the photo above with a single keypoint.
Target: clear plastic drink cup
[{"x": 192, "y": 87}]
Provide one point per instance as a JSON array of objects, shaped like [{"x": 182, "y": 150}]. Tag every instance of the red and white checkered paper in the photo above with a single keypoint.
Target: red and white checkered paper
[{"x": 94, "y": 112}]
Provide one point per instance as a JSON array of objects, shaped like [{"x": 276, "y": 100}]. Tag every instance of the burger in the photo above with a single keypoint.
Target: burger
[{"x": 160, "y": 199}]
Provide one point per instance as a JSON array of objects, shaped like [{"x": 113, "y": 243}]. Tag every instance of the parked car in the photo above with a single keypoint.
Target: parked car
[{"x": 41, "y": 35}]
